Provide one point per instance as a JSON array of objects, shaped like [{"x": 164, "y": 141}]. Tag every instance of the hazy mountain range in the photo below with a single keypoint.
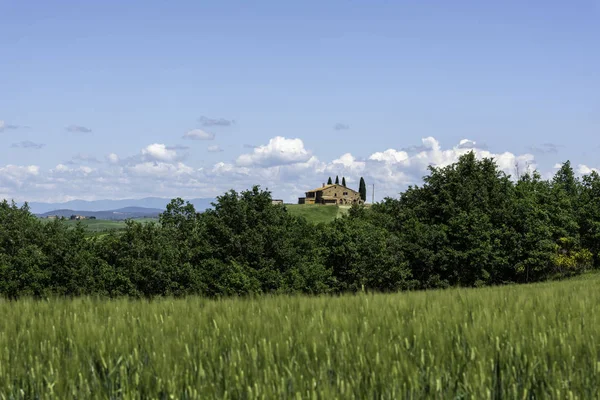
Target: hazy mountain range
[{"x": 81, "y": 206}]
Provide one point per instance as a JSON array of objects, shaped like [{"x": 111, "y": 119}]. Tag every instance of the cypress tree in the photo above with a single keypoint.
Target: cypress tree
[
  {"x": 329, "y": 182},
  {"x": 362, "y": 189},
  {"x": 343, "y": 181},
  {"x": 337, "y": 180}
]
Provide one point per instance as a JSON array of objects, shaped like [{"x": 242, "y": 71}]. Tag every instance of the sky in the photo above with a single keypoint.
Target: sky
[{"x": 129, "y": 99}]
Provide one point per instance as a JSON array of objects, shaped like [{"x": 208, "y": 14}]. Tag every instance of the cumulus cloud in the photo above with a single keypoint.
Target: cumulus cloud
[
  {"x": 16, "y": 171},
  {"x": 27, "y": 144},
  {"x": 2, "y": 125},
  {"x": 583, "y": 169},
  {"x": 199, "y": 134},
  {"x": 112, "y": 158},
  {"x": 214, "y": 149},
  {"x": 341, "y": 126},
  {"x": 78, "y": 129},
  {"x": 159, "y": 152},
  {"x": 62, "y": 168},
  {"x": 279, "y": 151},
  {"x": 469, "y": 144},
  {"x": 283, "y": 165},
  {"x": 206, "y": 121},
  {"x": 390, "y": 156},
  {"x": 13, "y": 178},
  {"x": 349, "y": 162}
]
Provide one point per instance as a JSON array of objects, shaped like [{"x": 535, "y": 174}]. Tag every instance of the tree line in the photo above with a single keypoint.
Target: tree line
[{"x": 469, "y": 224}]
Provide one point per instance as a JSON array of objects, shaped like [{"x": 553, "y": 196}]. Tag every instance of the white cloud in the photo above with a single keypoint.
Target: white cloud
[
  {"x": 214, "y": 149},
  {"x": 467, "y": 144},
  {"x": 17, "y": 171},
  {"x": 113, "y": 158},
  {"x": 64, "y": 169},
  {"x": 390, "y": 156},
  {"x": 583, "y": 169},
  {"x": 279, "y": 151},
  {"x": 199, "y": 134},
  {"x": 61, "y": 168},
  {"x": 283, "y": 165},
  {"x": 2, "y": 125},
  {"x": 13, "y": 178},
  {"x": 159, "y": 152},
  {"x": 346, "y": 163}
]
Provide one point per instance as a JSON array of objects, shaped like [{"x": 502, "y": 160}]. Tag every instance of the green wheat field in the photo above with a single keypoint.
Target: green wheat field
[{"x": 517, "y": 342}]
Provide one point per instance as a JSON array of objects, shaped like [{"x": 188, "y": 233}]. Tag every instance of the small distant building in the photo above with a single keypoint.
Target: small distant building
[
  {"x": 331, "y": 195},
  {"x": 277, "y": 201},
  {"x": 78, "y": 217}
]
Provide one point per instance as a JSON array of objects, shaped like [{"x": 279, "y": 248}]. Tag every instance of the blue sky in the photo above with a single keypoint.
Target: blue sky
[{"x": 98, "y": 99}]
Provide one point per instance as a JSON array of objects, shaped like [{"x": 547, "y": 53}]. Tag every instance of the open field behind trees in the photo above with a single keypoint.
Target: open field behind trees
[
  {"x": 316, "y": 213},
  {"x": 516, "y": 341}
]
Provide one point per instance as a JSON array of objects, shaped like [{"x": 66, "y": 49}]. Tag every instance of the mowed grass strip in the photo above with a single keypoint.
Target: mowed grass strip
[
  {"x": 315, "y": 213},
  {"x": 529, "y": 341}
]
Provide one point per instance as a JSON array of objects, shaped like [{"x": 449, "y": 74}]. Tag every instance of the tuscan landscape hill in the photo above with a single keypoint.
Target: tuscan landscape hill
[
  {"x": 200, "y": 204},
  {"x": 119, "y": 214}
]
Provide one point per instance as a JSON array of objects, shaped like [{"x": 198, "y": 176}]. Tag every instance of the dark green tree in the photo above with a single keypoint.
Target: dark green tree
[
  {"x": 337, "y": 180},
  {"x": 329, "y": 181},
  {"x": 363, "y": 255},
  {"x": 343, "y": 181},
  {"x": 589, "y": 215},
  {"x": 362, "y": 189}
]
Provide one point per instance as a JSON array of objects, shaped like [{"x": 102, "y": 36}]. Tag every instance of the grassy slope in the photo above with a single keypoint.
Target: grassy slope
[
  {"x": 516, "y": 341},
  {"x": 316, "y": 213},
  {"x": 98, "y": 225}
]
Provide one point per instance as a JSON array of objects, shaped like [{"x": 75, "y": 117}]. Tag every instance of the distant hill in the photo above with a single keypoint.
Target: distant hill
[
  {"x": 200, "y": 204},
  {"x": 119, "y": 214}
]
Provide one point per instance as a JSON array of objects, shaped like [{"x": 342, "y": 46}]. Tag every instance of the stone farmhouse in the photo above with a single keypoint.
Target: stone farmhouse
[{"x": 331, "y": 195}]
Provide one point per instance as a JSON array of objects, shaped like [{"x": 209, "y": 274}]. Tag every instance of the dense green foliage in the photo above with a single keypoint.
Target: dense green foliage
[
  {"x": 329, "y": 181},
  {"x": 343, "y": 181},
  {"x": 468, "y": 225},
  {"x": 519, "y": 342},
  {"x": 337, "y": 180}
]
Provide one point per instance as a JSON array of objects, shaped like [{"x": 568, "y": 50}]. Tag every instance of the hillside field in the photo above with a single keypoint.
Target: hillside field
[
  {"x": 317, "y": 213},
  {"x": 527, "y": 341}
]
